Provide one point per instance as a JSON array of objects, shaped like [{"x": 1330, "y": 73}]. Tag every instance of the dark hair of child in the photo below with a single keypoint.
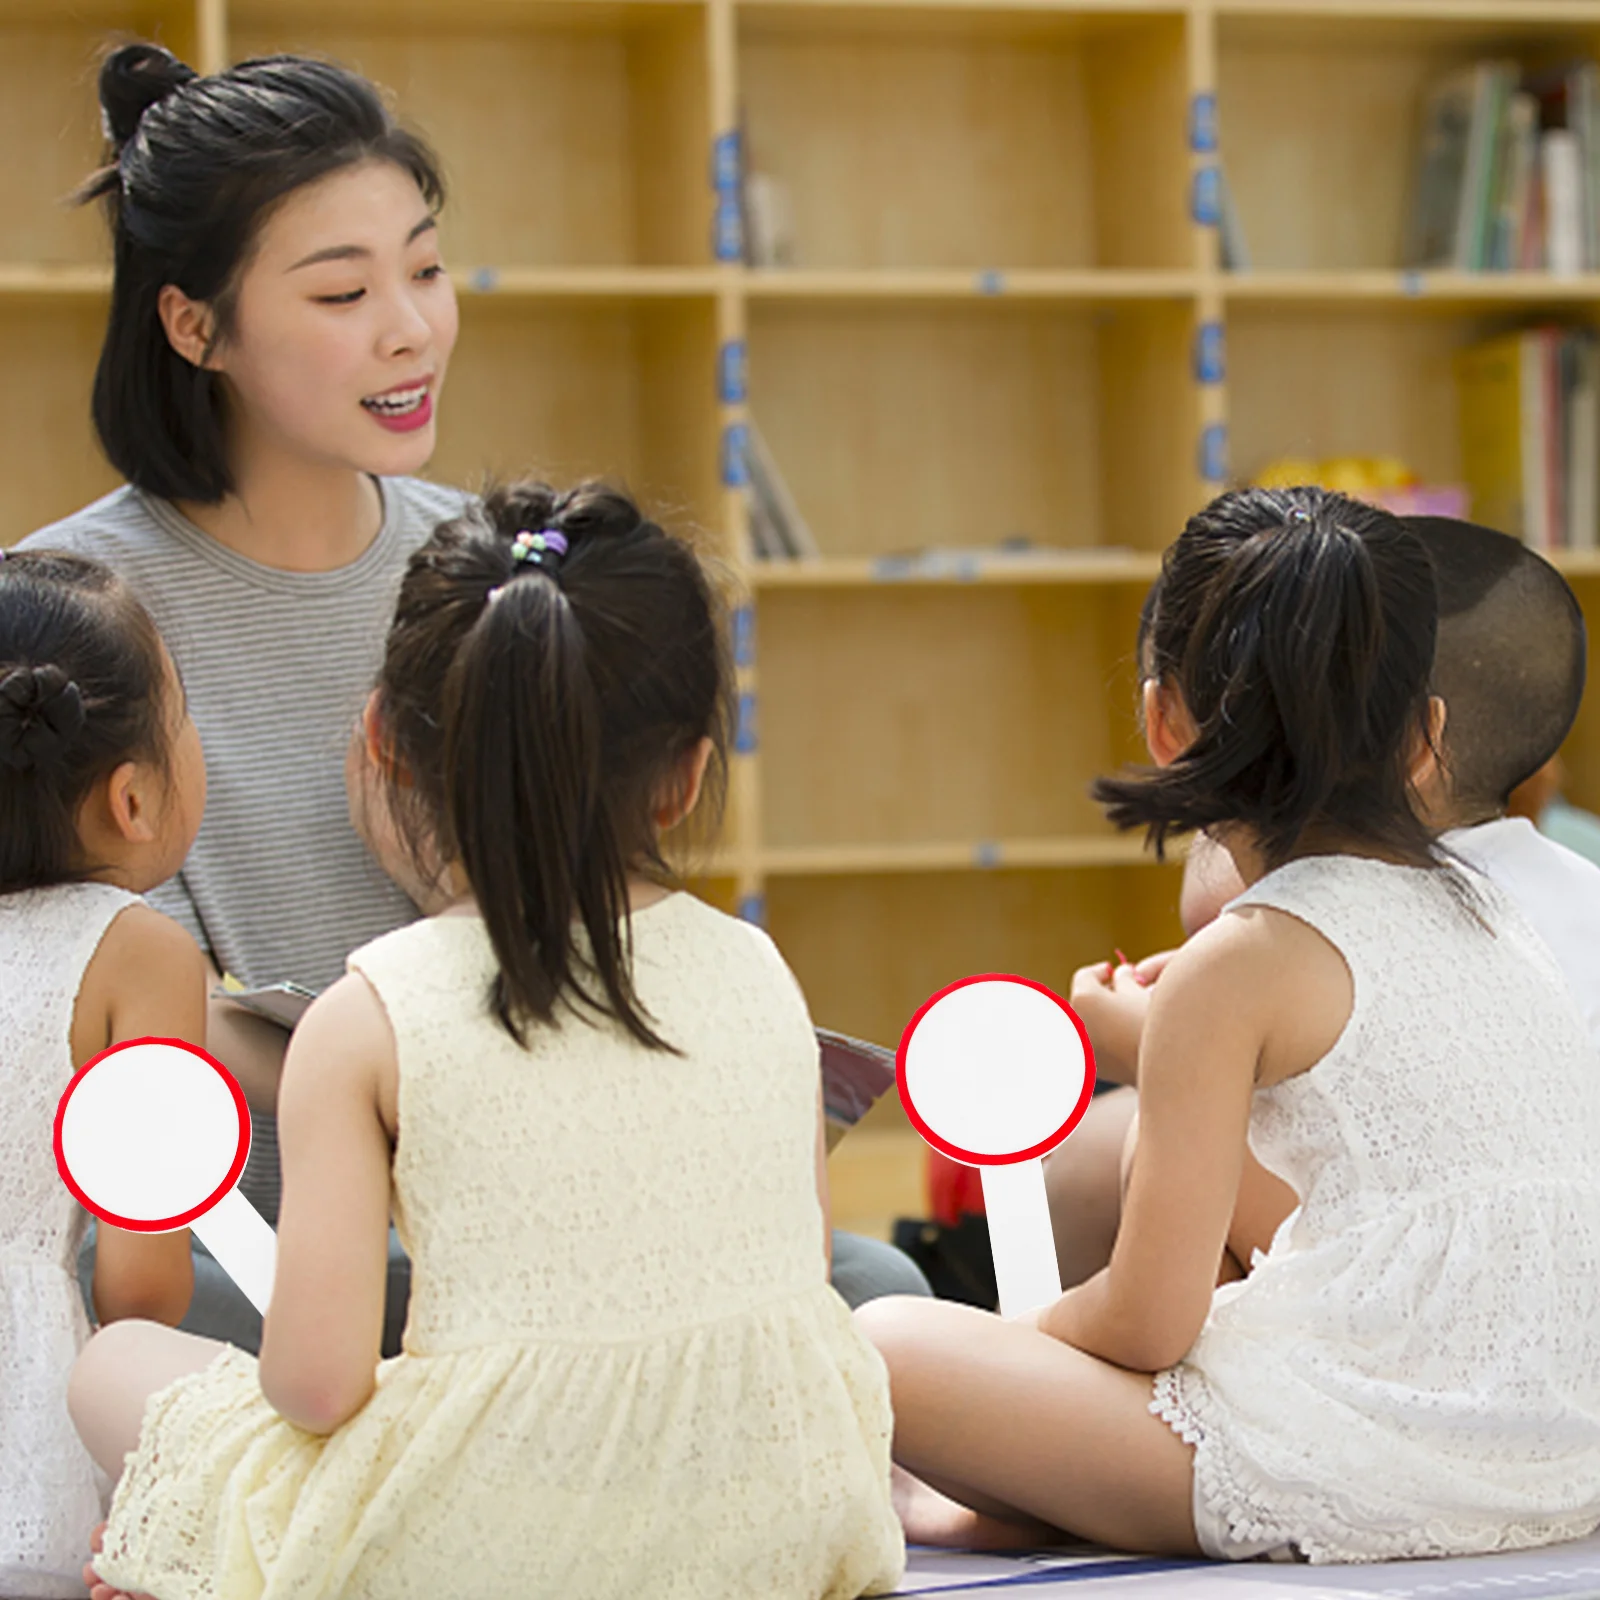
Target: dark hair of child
[
  {"x": 1298, "y": 628},
  {"x": 81, "y": 680},
  {"x": 1510, "y": 660},
  {"x": 194, "y": 166},
  {"x": 535, "y": 713}
]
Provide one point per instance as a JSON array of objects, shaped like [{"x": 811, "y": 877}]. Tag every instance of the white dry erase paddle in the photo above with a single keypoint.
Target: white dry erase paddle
[
  {"x": 995, "y": 1072},
  {"x": 152, "y": 1136}
]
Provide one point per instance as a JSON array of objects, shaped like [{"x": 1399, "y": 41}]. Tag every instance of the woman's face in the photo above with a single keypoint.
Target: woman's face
[{"x": 344, "y": 323}]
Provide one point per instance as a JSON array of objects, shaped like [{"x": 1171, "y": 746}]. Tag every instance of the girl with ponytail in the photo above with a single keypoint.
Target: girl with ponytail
[
  {"x": 594, "y": 1102},
  {"x": 1410, "y": 1365}
]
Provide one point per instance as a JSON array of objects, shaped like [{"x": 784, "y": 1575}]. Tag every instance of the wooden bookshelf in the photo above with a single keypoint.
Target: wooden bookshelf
[{"x": 990, "y": 332}]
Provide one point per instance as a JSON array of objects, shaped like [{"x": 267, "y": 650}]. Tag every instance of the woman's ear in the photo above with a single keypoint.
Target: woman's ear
[
  {"x": 1169, "y": 730},
  {"x": 683, "y": 794},
  {"x": 190, "y": 325}
]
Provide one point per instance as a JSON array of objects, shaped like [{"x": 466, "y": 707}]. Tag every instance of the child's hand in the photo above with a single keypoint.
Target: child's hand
[{"x": 1112, "y": 1003}]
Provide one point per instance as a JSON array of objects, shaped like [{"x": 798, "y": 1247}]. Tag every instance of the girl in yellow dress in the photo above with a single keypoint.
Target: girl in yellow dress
[{"x": 593, "y": 1107}]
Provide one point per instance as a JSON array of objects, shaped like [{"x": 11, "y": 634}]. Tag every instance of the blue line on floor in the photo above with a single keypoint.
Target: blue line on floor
[{"x": 1069, "y": 1574}]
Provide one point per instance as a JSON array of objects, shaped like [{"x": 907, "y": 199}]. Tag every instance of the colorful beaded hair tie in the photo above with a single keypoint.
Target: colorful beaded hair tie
[{"x": 534, "y": 546}]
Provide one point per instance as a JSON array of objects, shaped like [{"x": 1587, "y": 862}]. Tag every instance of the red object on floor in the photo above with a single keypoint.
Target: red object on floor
[{"x": 954, "y": 1190}]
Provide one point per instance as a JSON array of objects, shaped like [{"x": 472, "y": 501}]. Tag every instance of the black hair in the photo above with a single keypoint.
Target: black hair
[
  {"x": 195, "y": 166},
  {"x": 1297, "y": 626},
  {"x": 81, "y": 691},
  {"x": 535, "y": 713},
  {"x": 1510, "y": 661}
]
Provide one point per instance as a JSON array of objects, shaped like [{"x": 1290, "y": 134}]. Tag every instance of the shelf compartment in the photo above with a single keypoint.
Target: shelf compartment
[
  {"x": 576, "y": 135},
  {"x": 1322, "y": 381},
  {"x": 972, "y": 137},
  {"x": 988, "y": 711},
  {"x": 868, "y": 951},
  {"x": 1321, "y": 110},
  {"x": 53, "y": 465},
  {"x": 909, "y": 427},
  {"x": 570, "y": 391}
]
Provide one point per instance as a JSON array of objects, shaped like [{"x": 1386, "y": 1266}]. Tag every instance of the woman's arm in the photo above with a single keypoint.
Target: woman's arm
[
  {"x": 323, "y": 1331},
  {"x": 1208, "y": 1021}
]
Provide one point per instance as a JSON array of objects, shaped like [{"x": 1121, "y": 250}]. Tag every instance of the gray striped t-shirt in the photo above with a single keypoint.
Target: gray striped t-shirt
[{"x": 277, "y": 666}]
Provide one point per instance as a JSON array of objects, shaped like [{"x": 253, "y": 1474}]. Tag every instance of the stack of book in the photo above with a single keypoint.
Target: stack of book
[
  {"x": 778, "y": 532},
  {"x": 1509, "y": 173},
  {"x": 1530, "y": 434}
]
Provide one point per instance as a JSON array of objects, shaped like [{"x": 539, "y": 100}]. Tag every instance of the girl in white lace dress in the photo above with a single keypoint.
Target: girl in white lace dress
[
  {"x": 594, "y": 1107},
  {"x": 101, "y": 789},
  {"x": 1412, "y": 1365}
]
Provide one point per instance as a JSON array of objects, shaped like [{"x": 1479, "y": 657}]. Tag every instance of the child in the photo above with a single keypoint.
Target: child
[
  {"x": 1509, "y": 665},
  {"x": 1413, "y": 1368},
  {"x": 101, "y": 789},
  {"x": 597, "y": 1104}
]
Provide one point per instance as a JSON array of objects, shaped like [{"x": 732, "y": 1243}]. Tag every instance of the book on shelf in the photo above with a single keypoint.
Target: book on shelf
[
  {"x": 1508, "y": 171},
  {"x": 778, "y": 530},
  {"x": 1530, "y": 434}
]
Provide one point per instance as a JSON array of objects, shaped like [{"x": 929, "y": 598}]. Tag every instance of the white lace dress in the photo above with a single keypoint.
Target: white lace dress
[
  {"x": 51, "y": 1493},
  {"x": 1413, "y": 1369},
  {"x": 625, "y": 1376}
]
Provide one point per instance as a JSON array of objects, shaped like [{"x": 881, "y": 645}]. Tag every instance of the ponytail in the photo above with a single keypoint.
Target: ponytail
[
  {"x": 1298, "y": 628},
  {"x": 553, "y": 658}
]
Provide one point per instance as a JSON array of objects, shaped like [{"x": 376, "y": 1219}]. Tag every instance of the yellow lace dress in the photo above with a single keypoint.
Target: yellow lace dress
[{"x": 624, "y": 1372}]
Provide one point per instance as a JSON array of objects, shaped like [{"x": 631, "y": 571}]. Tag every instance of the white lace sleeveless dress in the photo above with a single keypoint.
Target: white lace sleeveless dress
[
  {"x": 51, "y": 1493},
  {"x": 625, "y": 1376},
  {"x": 1413, "y": 1368}
]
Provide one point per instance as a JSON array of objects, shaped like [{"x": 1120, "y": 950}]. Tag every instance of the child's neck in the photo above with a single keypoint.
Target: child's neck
[{"x": 293, "y": 514}]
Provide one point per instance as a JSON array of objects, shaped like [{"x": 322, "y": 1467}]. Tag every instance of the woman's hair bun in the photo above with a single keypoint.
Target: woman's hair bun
[{"x": 134, "y": 78}]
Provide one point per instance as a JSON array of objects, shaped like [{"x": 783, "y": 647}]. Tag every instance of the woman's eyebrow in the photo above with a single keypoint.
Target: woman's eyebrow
[{"x": 357, "y": 252}]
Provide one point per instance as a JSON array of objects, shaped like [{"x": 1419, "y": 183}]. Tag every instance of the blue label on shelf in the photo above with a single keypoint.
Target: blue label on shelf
[
  {"x": 727, "y": 230},
  {"x": 735, "y": 455},
  {"x": 725, "y": 163},
  {"x": 991, "y": 282},
  {"x": 1412, "y": 284},
  {"x": 1208, "y": 352},
  {"x": 732, "y": 373},
  {"x": 891, "y": 569},
  {"x": 1203, "y": 123},
  {"x": 753, "y": 908},
  {"x": 744, "y": 739},
  {"x": 986, "y": 854},
  {"x": 1214, "y": 453},
  {"x": 744, "y": 636},
  {"x": 1205, "y": 200},
  {"x": 485, "y": 279}
]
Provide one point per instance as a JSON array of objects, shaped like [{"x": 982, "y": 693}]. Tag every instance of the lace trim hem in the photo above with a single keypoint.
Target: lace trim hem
[{"x": 1237, "y": 1499}]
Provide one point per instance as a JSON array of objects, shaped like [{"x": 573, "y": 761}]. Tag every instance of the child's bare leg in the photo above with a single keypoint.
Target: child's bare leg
[
  {"x": 1082, "y": 1181},
  {"x": 997, "y": 1415},
  {"x": 119, "y": 1369}
]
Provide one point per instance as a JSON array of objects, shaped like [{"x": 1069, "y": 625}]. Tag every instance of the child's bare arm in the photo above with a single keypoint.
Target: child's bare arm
[
  {"x": 323, "y": 1330},
  {"x": 1208, "y": 1018},
  {"x": 147, "y": 980}
]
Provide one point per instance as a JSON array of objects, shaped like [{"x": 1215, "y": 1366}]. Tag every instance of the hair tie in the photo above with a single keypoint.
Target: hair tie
[{"x": 531, "y": 549}]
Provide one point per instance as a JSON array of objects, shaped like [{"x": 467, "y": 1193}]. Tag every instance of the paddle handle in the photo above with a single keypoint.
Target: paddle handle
[
  {"x": 244, "y": 1244},
  {"x": 1020, "y": 1237}
]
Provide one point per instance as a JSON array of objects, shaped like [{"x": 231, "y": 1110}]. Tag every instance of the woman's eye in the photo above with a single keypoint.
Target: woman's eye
[
  {"x": 340, "y": 299},
  {"x": 433, "y": 272}
]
